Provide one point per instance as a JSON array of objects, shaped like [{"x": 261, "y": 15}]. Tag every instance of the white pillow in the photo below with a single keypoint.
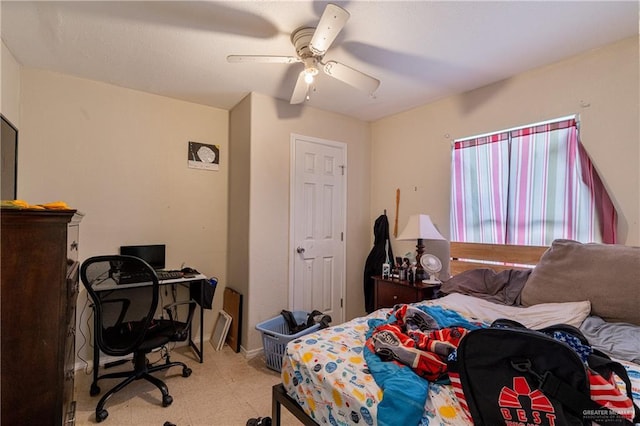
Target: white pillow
[{"x": 534, "y": 317}]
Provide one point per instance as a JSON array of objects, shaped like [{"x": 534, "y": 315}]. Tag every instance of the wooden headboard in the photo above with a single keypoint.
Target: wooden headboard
[{"x": 465, "y": 256}]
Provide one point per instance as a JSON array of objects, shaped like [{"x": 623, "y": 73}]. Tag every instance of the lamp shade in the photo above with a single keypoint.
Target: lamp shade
[{"x": 420, "y": 227}]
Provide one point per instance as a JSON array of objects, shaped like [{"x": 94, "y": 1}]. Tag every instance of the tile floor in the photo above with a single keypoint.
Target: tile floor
[{"x": 227, "y": 389}]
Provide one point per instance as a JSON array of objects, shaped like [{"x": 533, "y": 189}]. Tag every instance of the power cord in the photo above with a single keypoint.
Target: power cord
[
  {"x": 88, "y": 368},
  {"x": 164, "y": 352}
]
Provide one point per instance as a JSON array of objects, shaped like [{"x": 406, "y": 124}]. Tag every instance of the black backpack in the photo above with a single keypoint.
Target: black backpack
[{"x": 510, "y": 375}]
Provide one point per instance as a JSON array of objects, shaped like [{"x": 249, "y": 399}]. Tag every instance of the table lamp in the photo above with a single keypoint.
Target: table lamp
[{"x": 419, "y": 227}]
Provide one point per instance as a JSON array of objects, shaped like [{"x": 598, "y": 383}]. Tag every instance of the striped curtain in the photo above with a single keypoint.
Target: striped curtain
[{"x": 528, "y": 186}]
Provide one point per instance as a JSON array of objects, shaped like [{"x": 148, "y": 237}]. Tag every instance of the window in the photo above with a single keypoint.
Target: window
[{"x": 528, "y": 186}]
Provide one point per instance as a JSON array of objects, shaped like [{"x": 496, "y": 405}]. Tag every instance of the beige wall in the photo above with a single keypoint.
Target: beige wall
[
  {"x": 239, "y": 205},
  {"x": 10, "y": 87},
  {"x": 272, "y": 123},
  {"x": 411, "y": 150},
  {"x": 120, "y": 157}
]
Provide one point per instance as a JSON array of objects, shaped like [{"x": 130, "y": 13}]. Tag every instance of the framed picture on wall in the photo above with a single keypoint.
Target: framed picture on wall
[
  {"x": 8, "y": 160},
  {"x": 203, "y": 156}
]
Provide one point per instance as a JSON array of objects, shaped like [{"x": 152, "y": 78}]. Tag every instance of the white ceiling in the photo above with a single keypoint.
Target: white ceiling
[{"x": 420, "y": 50}]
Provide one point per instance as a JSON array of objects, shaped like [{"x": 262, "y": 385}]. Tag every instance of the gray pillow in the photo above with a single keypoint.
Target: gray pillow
[
  {"x": 607, "y": 275},
  {"x": 502, "y": 287}
]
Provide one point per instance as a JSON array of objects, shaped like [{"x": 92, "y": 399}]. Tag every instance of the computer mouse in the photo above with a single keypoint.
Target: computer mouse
[{"x": 188, "y": 271}]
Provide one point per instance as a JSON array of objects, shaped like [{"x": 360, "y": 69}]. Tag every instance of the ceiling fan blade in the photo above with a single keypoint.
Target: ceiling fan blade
[
  {"x": 352, "y": 77},
  {"x": 331, "y": 23},
  {"x": 262, "y": 59},
  {"x": 300, "y": 91}
]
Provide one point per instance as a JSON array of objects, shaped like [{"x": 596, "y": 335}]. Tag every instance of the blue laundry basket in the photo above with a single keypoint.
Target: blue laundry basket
[{"x": 275, "y": 336}]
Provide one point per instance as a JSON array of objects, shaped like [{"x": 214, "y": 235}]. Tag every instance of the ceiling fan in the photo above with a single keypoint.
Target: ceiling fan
[{"x": 311, "y": 44}]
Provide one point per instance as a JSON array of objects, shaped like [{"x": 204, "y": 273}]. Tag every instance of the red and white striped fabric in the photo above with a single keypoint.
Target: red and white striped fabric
[
  {"x": 454, "y": 377},
  {"x": 606, "y": 393},
  {"x": 528, "y": 187}
]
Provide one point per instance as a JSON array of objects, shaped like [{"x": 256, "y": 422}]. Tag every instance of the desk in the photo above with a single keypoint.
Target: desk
[{"x": 109, "y": 285}]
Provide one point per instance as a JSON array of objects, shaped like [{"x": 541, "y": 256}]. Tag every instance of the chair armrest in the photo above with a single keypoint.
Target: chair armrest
[{"x": 192, "y": 307}]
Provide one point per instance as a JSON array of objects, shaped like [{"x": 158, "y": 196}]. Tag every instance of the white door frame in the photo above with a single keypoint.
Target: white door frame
[{"x": 292, "y": 243}]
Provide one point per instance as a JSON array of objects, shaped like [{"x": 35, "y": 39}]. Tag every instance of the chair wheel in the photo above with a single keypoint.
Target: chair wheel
[
  {"x": 167, "y": 400},
  {"x": 95, "y": 389},
  {"x": 186, "y": 372},
  {"x": 101, "y": 415}
]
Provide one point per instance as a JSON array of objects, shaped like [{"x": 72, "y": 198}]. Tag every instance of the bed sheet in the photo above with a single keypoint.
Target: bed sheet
[{"x": 326, "y": 373}]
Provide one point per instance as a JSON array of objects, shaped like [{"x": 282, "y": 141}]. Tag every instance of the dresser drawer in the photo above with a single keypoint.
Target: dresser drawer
[{"x": 391, "y": 292}]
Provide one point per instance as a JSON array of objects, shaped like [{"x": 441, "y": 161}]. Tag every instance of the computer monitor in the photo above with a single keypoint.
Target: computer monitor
[{"x": 153, "y": 254}]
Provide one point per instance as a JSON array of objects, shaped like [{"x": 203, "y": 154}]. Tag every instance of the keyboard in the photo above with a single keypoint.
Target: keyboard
[
  {"x": 132, "y": 277},
  {"x": 169, "y": 275}
]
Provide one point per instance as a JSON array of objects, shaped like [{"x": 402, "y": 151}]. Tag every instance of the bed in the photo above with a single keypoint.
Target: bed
[{"x": 329, "y": 377}]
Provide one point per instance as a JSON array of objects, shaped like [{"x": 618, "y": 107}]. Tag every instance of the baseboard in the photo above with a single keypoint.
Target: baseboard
[{"x": 252, "y": 353}]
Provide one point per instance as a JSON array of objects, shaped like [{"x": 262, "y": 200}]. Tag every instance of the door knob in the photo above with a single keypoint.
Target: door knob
[{"x": 300, "y": 250}]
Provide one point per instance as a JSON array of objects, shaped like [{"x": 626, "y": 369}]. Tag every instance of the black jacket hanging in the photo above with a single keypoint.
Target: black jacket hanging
[{"x": 377, "y": 256}]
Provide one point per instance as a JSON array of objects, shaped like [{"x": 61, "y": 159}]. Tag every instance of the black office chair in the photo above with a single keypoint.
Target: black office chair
[{"x": 124, "y": 321}]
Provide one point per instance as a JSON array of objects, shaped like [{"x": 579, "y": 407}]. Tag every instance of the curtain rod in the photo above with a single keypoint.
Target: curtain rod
[{"x": 541, "y": 123}]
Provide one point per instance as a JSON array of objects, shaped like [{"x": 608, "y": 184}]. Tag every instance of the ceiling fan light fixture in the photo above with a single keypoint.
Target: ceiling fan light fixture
[
  {"x": 308, "y": 78},
  {"x": 309, "y": 74},
  {"x": 310, "y": 69}
]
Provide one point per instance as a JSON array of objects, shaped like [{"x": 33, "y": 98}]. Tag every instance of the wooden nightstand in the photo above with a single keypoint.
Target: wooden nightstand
[{"x": 389, "y": 292}]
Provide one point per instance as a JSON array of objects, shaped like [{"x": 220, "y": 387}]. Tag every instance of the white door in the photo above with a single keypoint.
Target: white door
[{"x": 317, "y": 226}]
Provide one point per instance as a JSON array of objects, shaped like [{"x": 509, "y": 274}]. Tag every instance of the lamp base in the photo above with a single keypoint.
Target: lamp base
[{"x": 420, "y": 272}]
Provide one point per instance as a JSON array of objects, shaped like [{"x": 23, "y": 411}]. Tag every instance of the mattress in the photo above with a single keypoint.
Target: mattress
[{"x": 326, "y": 372}]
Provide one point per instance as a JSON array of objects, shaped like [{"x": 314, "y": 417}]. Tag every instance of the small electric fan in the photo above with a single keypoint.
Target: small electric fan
[{"x": 432, "y": 265}]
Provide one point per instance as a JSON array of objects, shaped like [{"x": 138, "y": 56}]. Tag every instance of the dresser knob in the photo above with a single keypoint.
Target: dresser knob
[{"x": 395, "y": 297}]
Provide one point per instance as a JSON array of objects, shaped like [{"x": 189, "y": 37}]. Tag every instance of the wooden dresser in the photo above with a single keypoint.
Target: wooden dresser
[
  {"x": 39, "y": 278},
  {"x": 388, "y": 292}
]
